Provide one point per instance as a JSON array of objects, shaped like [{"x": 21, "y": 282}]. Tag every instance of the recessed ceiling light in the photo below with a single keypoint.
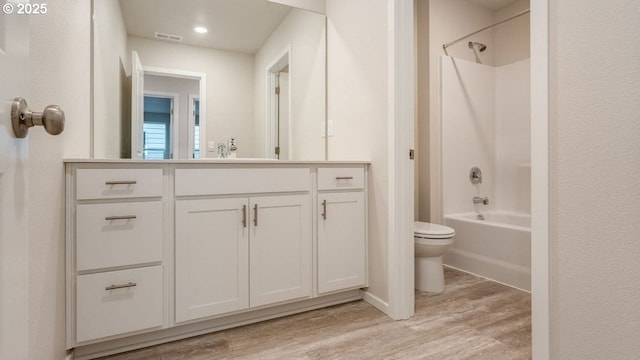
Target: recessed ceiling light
[{"x": 200, "y": 30}]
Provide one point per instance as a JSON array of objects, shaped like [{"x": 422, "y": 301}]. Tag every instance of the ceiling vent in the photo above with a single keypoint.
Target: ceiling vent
[{"x": 170, "y": 37}]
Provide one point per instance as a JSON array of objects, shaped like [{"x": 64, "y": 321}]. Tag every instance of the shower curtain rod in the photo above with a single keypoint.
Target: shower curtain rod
[{"x": 445, "y": 46}]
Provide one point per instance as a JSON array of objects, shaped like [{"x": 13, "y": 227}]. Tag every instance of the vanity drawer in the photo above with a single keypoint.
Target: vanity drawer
[
  {"x": 189, "y": 182},
  {"x": 340, "y": 178},
  {"x": 117, "y": 234},
  {"x": 118, "y": 302},
  {"x": 118, "y": 183}
]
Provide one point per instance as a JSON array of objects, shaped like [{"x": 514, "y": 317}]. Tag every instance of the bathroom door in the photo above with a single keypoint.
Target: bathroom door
[
  {"x": 14, "y": 159},
  {"x": 137, "y": 106}
]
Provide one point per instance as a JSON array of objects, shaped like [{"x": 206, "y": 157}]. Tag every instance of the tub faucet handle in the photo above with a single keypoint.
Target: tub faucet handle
[{"x": 479, "y": 200}]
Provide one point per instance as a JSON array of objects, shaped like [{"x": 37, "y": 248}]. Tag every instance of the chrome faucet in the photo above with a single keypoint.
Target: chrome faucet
[
  {"x": 479, "y": 200},
  {"x": 222, "y": 151}
]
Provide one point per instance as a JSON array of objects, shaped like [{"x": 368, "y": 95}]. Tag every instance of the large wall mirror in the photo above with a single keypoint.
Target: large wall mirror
[{"x": 177, "y": 79}]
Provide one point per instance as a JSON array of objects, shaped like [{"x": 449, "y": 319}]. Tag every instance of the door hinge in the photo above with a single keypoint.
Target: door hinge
[
  {"x": 277, "y": 150},
  {"x": 411, "y": 154},
  {"x": 277, "y": 90}
]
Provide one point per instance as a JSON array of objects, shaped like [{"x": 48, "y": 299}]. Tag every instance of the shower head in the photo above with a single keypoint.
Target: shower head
[{"x": 481, "y": 47}]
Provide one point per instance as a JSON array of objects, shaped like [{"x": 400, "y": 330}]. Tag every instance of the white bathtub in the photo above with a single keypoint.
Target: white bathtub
[{"x": 497, "y": 248}]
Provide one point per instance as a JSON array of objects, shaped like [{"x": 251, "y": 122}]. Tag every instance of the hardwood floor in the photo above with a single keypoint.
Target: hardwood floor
[{"x": 473, "y": 319}]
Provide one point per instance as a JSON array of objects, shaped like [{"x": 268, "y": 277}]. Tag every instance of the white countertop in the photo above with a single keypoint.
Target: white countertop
[{"x": 245, "y": 161}]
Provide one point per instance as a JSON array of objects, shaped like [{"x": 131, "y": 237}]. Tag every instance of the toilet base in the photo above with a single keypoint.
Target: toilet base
[{"x": 429, "y": 274}]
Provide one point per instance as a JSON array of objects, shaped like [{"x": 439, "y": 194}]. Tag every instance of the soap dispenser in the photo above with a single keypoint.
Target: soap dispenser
[{"x": 232, "y": 148}]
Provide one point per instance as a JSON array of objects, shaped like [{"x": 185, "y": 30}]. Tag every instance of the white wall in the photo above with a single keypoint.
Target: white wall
[
  {"x": 303, "y": 33},
  {"x": 594, "y": 157},
  {"x": 358, "y": 105},
  {"x": 111, "y": 62},
  {"x": 184, "y": 88},
  {"x": 229, "y": 86},
  {"x": 468, "y": 133},
  {"x": 486, "y": 123},
  {"x": 513, "y": 137},
  {"x": 59, "y": 74},
  {"x": 318, "y": 6}
]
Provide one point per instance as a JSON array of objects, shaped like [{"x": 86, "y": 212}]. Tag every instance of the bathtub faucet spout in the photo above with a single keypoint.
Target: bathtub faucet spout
[{"x": 479, "y": 200}]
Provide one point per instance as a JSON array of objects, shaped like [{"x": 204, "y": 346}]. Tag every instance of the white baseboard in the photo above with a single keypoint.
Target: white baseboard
[{"x": 376, "y": 302}]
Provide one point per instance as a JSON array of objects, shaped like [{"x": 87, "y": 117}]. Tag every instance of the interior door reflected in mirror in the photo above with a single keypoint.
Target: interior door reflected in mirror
[
  {"x": 179, "y": 93},
  {"x": 221, "y": 83},
  {"x": 278, "y": 120}
]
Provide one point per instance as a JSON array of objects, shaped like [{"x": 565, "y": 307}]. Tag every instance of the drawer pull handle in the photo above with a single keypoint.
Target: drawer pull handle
[
  {"x": 124, "y": 182},
  {"x": 244, "y": 215},
  {"x": 125, "y": 217},
  {"x": 324, "y": 209},
  {"x": 122, "y": 286},
  {"x": 255, "y": 215},
  {"x": 344, "y": 177}
]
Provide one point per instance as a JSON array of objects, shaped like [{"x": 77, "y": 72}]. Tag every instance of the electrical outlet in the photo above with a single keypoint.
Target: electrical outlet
[
  {"x": 211, "y": 145},
  {"x": 330, "y": 128}
]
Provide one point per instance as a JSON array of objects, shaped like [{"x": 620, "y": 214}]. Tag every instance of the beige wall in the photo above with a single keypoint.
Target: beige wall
[
  {"x": 594, "y": 156},
  {"x": 422, "y": 200},
  {"x": 358, "y": 106},
  {"x": 59, "y": 74},
  {"x": 511, "y": 39}
]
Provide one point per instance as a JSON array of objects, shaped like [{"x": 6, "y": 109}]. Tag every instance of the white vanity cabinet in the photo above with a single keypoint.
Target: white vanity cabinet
[
  {"x": 115, "y": 252},
  {"x": 243, "y": 251},
  {"x": 162, "y": 250},
  {"x": 237, "y": 253},
  {"x": 341, "y": 229}
]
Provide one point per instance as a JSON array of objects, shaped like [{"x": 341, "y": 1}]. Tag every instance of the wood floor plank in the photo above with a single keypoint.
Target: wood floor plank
[{"x": 473, "y": 319}]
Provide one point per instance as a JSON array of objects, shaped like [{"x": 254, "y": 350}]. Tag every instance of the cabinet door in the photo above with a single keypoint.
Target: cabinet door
[
  {"x": 280, "y": 251},
  {"x": 211, "y": 257},
  {"x": 341, "y": 241}
]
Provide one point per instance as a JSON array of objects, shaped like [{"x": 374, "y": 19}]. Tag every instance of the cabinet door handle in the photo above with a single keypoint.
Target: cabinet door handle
[
  {"x": 121, "y": 182},
  {"x": 324, "y": 209},
  {"x": 121, "y": 286},
  {"x": 344, "y": 177},
  {"x": 255, "y": 215},
  {"x": 244, "y": 215},
  {"x": 125, "y": 217}
]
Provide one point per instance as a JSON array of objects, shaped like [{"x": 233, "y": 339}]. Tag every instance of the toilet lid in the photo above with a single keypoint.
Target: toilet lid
[{"x": 424, "y": 229}]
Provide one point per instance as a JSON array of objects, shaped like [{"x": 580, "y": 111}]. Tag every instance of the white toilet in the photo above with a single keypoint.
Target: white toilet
[{"x": 431, "y": 241}]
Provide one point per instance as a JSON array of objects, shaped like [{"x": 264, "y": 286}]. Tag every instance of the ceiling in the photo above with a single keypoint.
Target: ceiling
[
  {"x": 493, "y": 4},
  {"x": 234, "y": 25}
]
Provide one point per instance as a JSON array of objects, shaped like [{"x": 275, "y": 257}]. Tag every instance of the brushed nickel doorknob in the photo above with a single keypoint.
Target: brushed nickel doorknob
[{"x": 52, "y": 118}]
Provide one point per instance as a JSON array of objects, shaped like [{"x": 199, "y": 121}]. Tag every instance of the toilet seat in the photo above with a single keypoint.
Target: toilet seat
[{"x": 424, "y": 230}]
